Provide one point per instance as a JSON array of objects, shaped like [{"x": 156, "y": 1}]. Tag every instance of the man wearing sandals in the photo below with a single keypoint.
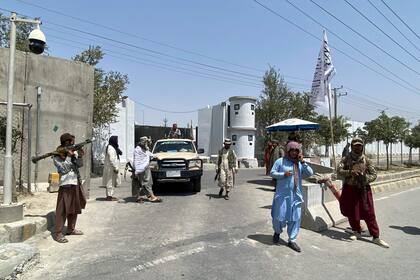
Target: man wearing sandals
[
  {"x": 70, "y": 200},
  {"x": 287, "y": 202},
  {"x": 141, "y": 160},
  {"x": 356, "y": 201}
]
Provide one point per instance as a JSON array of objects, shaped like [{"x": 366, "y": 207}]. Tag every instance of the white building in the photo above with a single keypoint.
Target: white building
[
  {"x": 123, "y": 128},
  {"x": 236, "y": 121}
]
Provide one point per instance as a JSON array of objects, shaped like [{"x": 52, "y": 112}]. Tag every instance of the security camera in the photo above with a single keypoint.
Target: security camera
[{"x": 37, "y": 41}]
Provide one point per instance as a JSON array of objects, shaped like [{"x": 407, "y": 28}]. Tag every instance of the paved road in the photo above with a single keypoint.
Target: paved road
[{"x": 199, "y": 236}]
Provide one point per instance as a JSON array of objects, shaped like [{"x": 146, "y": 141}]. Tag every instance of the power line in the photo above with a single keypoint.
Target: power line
[
  {"x": 390, "y": 22},
  {"x": 417, "y": 90},
  {"x": 365, "y": 38},
  {"x": 338, "y": 50},
  {"x": 138, "y": 37},
  {"x": 119, "y": 31},
  {"x": 165, "y": 111},
  {"x": 149, "y": 50},
  {"x": 173, "y": 69},
  {"x": 134, "y": 50},
  {"x": 400, "y": 19},
  {"x": 381, "y": 30}
]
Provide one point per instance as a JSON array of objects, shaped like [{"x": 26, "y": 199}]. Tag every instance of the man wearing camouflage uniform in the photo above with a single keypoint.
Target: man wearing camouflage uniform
[
  {"x": 356, "y": 202},
  {"x": 227, "y": 167}
]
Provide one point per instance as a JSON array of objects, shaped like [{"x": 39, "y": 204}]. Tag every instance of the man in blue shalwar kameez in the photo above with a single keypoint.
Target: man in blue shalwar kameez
[{"x": 288, "y": 199}]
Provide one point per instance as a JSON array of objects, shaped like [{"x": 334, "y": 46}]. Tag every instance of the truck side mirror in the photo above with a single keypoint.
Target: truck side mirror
[{"x": 201, "y": 151}]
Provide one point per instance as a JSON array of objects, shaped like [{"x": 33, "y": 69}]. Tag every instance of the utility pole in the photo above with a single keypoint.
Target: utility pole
[
  {"x": 336, "y": 95},
  {"x": 165, "y": 122}
]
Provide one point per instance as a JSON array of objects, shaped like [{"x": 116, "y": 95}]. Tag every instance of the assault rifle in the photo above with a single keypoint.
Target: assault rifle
[{"x": 62, "y": 151}]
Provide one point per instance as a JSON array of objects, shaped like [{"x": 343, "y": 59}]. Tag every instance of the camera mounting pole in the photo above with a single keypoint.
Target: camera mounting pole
[{"x": 8, "y": 159}]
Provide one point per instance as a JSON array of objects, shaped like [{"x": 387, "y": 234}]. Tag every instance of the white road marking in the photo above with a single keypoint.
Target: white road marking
[
  {"x": 316, "y": 248},
  {"x": 398, "y": 193},
  {"x": 166, "y": 259},
  {"x": 406, "y": 191},
  {"x": 382, "y": 198}
]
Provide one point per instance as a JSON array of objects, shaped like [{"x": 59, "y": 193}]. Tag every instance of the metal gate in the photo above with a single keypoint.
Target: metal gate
[{"x": 21, "y": 144}]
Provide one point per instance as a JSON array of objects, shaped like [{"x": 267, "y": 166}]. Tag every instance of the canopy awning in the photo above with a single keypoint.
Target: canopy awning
[{"x": 292, "y": 125}]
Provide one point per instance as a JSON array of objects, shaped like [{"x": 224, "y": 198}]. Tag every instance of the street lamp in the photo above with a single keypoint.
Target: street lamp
[{"x": 36, "y": 45}]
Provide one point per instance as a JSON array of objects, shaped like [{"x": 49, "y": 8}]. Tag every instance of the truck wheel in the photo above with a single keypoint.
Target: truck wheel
[{"x": 196, "y": 184}]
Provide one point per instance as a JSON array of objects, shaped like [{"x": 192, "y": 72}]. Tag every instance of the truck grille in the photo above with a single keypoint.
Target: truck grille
[{"x": 178, "y": 164}]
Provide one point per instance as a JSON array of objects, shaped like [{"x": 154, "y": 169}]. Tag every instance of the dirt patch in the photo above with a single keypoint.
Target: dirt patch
[{"x": 39, "y": 203}]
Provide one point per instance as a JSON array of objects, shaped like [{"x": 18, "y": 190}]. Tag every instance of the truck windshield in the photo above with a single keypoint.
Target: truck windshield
[{"x": 173, "y": 147}]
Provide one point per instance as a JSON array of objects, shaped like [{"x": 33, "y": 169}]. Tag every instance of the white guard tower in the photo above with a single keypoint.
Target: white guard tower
[{"x": 242, "y": 129}]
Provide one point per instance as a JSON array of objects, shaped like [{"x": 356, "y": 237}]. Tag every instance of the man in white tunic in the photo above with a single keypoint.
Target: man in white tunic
[{"x": 110, "y": 177}]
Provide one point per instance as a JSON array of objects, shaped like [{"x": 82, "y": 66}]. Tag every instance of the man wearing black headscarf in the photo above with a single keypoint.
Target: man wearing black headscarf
[{"x": 110, "y": 177}]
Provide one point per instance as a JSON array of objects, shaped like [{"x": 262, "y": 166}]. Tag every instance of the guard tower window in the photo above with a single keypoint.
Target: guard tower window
[
  {"x": 234, "y": 138},
  {"x": 252, "y": 107},
  {"x": 236, "y": 107},
  {"x": 250, "y": 138}
]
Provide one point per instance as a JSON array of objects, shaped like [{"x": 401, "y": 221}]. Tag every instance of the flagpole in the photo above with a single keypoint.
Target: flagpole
[{"x": 328, "y": 90}]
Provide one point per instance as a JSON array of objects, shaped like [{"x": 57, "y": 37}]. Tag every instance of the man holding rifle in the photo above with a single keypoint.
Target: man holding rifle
[
  {"x": 356, "y": 201},
  {"x": 71, "y": 199}
]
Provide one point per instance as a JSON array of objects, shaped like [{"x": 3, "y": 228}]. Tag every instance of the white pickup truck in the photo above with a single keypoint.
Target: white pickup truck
[{"x": 176, "y": 160}]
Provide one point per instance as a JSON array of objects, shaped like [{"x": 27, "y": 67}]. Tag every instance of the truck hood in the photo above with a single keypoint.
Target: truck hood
[{"x": 186, "y": 156}]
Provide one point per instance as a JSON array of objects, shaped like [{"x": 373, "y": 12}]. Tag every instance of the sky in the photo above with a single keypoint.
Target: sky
[{"x": 181, "y": 56}]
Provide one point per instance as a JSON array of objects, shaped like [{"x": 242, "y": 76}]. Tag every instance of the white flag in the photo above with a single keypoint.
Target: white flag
[{"x": 324, "y": 72}]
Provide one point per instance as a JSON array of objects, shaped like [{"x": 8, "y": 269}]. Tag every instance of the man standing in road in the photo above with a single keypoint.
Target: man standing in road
[
  {"x": 227, "y": 168},
  {"x": 356, "y": 202},
  {"x": 70, "y": 200},
  {"x": 175, "y": 132},
  {"x": 141, "y": 159},
  {"x": 288, "y": 199},
  {"x": 110, "y": 178},
  {"x": 267, "y": 153}
]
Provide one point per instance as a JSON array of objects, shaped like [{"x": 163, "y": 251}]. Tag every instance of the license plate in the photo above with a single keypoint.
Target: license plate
[{"x": 173, "y": 174}]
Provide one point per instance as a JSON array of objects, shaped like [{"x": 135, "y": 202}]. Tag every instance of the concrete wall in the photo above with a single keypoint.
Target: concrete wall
[{"x": 66, "y": 103}]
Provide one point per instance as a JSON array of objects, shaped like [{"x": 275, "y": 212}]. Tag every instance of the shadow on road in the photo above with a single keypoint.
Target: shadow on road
[
  {"x": 266, "y": 189},
  {"x": 212, "y": 195},
  {"x": 266, "y": 207},
  {"x": 266, "y": 239},
  {"x": 266, "y": 182},
  {"x": 336, "y": 233},
  {"x": 170, "y": 189},
  {"x": 408, "y": 229}
]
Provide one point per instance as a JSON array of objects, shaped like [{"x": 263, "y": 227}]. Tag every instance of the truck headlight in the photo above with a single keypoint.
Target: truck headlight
[
  {"x": 195, "y": 163},
  {"x": 154, "y": 165}
]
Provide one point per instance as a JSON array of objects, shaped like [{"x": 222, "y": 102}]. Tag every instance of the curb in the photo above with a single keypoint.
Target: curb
[
  {"x": 28, "y": 227},
  {"x": 16, "y": 258}
]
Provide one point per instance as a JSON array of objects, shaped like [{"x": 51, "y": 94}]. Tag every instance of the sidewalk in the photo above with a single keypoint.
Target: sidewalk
[{"x": 18, "y": 251}]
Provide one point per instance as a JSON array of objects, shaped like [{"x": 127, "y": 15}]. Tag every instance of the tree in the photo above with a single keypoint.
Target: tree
[
  {"x": 277, "y": 102},
  {"x": 340, "y": 127},
  {"x": 412, "y": 140},
  {"x": 400, "y": 127},
  {"x": 108, "y": 88},
  {"x": 17, "y": 135},
  {"x": 389, "y": 130}
]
